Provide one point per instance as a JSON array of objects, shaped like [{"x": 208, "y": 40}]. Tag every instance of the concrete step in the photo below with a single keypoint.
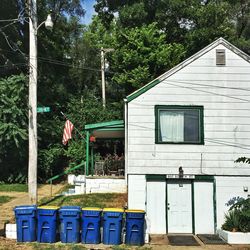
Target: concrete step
[{"x": 158, "y": 239}]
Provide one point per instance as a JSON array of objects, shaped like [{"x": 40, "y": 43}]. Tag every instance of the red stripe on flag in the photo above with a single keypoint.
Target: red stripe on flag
[{"x": 67, "y": 132}]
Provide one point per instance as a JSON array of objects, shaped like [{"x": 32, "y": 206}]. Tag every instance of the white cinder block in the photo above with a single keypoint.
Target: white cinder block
[
  {"x": 71, "y": 179},
  {"x": 104, "y": 186},
  {"x": 10, "y": 227},
  {"x": 11, "y": 235},
  {"x": 10, "y": 231}
]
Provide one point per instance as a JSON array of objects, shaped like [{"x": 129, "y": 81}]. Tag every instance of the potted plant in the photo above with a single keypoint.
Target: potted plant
[{"x": 236, "y": 229}]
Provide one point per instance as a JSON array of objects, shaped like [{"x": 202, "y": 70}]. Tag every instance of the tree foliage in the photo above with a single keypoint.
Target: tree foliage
[
  {"x": 13, "y": 124},
  {"x": 148, "y": 37}
]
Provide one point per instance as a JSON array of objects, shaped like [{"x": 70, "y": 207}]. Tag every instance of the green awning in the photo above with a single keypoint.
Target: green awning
[{"x": 106, "y": 130}]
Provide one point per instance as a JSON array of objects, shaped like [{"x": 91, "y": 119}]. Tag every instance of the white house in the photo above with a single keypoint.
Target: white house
[{"x": 183, "y": 133}]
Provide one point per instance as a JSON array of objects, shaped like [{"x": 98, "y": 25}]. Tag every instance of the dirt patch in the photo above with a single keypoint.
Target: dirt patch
[
  {"x": 12, "y": 244},
  {"x": 21, "y": 198}
]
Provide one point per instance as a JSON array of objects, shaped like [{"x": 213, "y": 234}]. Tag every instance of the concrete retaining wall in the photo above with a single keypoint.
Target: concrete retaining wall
[{"x": 97, "y": 185}]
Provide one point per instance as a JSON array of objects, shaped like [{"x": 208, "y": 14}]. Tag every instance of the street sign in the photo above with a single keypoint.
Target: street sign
[{"x": 43, "y": 109}]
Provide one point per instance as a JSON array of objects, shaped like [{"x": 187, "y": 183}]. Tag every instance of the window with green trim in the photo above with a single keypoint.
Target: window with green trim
[{"x": 179, "y": 124}]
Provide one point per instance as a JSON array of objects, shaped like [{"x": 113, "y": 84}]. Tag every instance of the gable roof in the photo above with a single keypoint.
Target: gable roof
[{"x": 183, "y": 64}]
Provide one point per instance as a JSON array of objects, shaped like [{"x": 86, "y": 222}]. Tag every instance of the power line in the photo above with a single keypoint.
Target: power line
[
  {"x": 209, "y": 92},
  {"x": 9, "y": 20},
  {"x": 220, "y": 142},
  {"x": 8, "y": 25},
  {"x": 209, "y": 85}
]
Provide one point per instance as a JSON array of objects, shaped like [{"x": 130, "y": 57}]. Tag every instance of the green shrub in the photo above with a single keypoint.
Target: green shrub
[
  {"x": 232, "y": 222},
  {"x": 238, "y": 217}
]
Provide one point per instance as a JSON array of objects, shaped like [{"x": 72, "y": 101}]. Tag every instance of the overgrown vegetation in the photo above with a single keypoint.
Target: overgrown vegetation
[
  {"x": 4, "y": 199},
  {"x": 238, "y": 217}
]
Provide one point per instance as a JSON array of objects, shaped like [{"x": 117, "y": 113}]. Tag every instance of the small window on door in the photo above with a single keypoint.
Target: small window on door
[{"x": 179, "y": 124}]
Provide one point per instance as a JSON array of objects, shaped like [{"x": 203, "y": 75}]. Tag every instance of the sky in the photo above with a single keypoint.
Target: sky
[{"x": 88, "y": 5}]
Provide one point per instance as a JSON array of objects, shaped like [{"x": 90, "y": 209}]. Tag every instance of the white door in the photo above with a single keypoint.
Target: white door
[{"x": 179, "y": 205}]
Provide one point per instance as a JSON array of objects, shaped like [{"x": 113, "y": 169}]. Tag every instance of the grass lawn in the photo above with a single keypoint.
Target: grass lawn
[
  {"x": 13, "y": 188},
  {"x": 88, "y": 200},
  {"x": 57, "y": 246},
  {"x": 4, "y": 199},
  {"x": 79, "y": 246}
]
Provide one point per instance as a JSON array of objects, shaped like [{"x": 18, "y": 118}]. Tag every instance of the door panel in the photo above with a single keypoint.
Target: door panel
[
  {"x": 204, "y": 205},
  {"x": 156, "y": 207},
  {"x": 179, "y": 199}
]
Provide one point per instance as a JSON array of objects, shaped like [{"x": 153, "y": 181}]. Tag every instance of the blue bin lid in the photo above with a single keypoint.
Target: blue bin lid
[
  {"x": 22, "y": 207},
  {"x": 70, "y": 208}
]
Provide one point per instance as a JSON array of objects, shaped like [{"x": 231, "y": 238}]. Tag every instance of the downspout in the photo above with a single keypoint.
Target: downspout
[{"x": 126, "y": 138}]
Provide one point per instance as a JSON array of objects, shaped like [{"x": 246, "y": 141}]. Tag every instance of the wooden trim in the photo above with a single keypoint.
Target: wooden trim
[
  {"x": 153, "y": 177},
  {"x": 215, "y": 205},
  {"x": 142, "y": 90},
  {"x": 87, "y": 153},
  {"x": 204, "y": 177},
  {"x": 166, "y": 206},
  {"x": 193, "y": 207}
]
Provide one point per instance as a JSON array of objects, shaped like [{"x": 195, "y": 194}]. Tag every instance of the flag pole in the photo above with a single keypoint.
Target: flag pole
[{"x": 74, "y": 126}]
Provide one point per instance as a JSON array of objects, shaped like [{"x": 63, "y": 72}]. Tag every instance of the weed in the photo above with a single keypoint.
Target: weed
[{"x": 4, "y": 199}]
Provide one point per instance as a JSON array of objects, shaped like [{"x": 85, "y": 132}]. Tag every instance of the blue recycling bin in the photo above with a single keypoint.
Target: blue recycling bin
[
  {"x": 26, "y": 223},
  {"x": 91, "y": 224},
  {"x": 112, "y": 226},
  {"x": 70, "y": 224},
  {"x": 47, "y": 224},
  {"x": 135, "y": 227}
]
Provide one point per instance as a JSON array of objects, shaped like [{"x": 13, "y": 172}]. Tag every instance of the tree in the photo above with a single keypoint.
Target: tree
[
  {"x": 13, "y": 126},
  {"x": 141, "y": 54}
]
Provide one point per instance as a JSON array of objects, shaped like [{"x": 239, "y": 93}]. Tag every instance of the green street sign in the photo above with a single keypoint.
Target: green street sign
[{"x": 43, "y": 109}]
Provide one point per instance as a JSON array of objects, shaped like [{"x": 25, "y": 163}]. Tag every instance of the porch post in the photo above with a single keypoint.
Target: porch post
[
  {"x": 92, "y": 160},
  {"x": 87, "y": 153}
]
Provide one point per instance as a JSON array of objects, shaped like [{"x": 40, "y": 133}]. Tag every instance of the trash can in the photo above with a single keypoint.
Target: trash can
[
  {"x": 26, "y": 223},
  {"x": 91, "y": 224},
  {"x": 70, "y": 224},
  {"x": 112, "y": 226},
  {"x": 135, "y": 227},
  {"x": 47, "y": 224}
]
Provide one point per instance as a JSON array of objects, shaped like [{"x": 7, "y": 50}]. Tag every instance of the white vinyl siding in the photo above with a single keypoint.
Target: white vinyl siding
[
  {"x": 224, "y": 92},
  {"x": 137, "y": 192},
  {"x": 228, "y": 188}
]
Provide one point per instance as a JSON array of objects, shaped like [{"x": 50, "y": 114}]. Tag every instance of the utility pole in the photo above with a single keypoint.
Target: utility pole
[
  {"x": 32, "y": 167},
  {"x": 103, "y": 78},
  {"x": 33, "y": 147},
  {"x": 103, "y": 52}
]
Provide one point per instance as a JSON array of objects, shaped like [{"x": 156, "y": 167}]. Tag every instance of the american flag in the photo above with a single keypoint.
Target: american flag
[{"x": 67, "y": 132}]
